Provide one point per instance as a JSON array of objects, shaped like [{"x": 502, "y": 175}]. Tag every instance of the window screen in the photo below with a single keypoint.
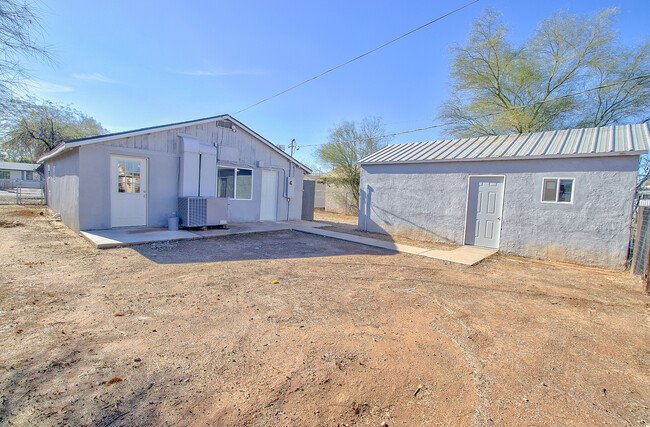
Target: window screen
[
  {"x": 244, "y": 183},
  {"x": 550, "y": 190},
  {"x": 5, "y": 175},
  {"x": 226, "y": 182}
]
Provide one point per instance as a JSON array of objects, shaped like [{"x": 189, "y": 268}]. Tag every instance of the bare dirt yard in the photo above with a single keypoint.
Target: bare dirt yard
[{"x": 199, "y": 333}]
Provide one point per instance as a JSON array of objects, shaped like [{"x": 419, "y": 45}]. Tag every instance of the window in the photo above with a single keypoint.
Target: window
[
  {"x": 29, "y": 176},
  {"x": 557, "y": 190},
  {"x": 235, "y": 183},
  {"x": 5, "y": 175},
  {"x": 244, "y": 184},
  {"x": 128, "y": 176}
]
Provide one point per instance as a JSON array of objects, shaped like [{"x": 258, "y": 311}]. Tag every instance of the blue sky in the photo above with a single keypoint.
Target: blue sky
[{"x": 131, "y": 64}]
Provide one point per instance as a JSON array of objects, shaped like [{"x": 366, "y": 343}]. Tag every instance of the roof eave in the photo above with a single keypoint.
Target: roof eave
[
  {"x": 484, "y": 159},
  {"x": 110, "y": 137}
]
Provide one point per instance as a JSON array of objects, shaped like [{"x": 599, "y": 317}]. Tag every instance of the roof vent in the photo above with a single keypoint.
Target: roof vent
[{"x": 224, "y": 124}]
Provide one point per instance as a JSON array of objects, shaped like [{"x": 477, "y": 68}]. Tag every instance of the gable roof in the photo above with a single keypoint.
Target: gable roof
[
  {"x": 17, "y": 166},
  {"x": 600, "y": 141},
  {"x": 68, "y": 145}
]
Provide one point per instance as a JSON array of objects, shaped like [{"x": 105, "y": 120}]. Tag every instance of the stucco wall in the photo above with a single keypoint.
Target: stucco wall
[
  {"x": 162, "y": 151},
  {"x": 62, "y": 187},
  {"x": 428, "y": 201}
]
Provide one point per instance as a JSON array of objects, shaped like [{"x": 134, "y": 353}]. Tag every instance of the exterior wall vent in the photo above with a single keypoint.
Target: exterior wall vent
[{"x": 224, "y": 124}]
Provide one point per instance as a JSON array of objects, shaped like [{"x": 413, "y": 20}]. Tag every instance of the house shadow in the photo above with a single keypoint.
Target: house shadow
[{"x": 284, "y": 244}]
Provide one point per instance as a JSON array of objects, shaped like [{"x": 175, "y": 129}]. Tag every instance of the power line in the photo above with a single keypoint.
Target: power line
[
  {"x": 358, "y": 57},
  {"x": 499, "y": 112}
]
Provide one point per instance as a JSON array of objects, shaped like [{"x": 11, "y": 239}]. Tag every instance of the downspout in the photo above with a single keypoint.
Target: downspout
[
  {"x": 286, "y": 184},
  {"x": 199, "y": 189}
]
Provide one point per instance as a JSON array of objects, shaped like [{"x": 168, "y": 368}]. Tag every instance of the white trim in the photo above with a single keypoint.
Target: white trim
[
  {"x": 557, "y": 190},
  {"x": 503, "y": 201},
  {"x": 485, "y": 159},
  {"x": 234, "y": 168}
]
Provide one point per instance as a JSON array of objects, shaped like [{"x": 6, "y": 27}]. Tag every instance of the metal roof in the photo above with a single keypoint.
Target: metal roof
[
  {"x": 601, "y": 141},
  {"x": 16, "y": 166}
]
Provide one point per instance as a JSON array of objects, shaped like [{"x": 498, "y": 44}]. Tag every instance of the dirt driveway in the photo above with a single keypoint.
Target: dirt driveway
[{"x": 198, "y": 333}]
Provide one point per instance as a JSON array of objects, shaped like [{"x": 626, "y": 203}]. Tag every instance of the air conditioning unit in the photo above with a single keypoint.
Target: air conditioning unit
[{"x": 202, "y": 211}]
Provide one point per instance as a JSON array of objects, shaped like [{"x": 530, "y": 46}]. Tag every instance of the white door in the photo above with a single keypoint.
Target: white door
[
  {"x": 128, "y": 191},
  {"x": 269, "y": 198},
  {"x": 484, "y": 208}
]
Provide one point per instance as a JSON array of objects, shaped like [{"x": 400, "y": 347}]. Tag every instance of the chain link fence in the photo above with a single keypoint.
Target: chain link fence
[
  {"x": 19, "y": 192},
  {"x": 641, "y": 244}
]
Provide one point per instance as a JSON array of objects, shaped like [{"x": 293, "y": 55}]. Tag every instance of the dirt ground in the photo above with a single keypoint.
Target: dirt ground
[{"x": 198, "y": 333}]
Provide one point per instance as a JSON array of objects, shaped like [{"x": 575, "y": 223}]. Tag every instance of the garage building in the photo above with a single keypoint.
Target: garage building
[{"x": 561, "y": 195}]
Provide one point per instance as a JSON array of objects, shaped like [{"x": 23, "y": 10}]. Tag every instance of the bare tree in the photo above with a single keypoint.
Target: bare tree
[
  {"x": 20, "y": 38},
  {"x": 32, "y": 130}
]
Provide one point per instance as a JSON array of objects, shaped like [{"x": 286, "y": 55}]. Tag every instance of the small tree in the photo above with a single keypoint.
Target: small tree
[
  {"x": 346, "y": 145},
  {"x": 498, "y": 88},
  {"x": 34, "y": 129}
]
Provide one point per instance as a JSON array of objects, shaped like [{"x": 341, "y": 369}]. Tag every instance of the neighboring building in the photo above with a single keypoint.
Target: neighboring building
[
  {"x": 12, "y": 172},
  {"x": 135, "y": 178},
  {"x": 334, "y": 197},
  {"x": 561, "y": 195}
]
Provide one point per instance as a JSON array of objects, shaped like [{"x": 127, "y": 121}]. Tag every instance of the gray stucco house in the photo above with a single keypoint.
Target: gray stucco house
[
  {"x": 135, "y": 178},
  {"x": 561, "y": 195}
]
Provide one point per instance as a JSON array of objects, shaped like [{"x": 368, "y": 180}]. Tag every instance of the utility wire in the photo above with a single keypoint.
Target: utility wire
[
  {"x": 358, "y": 57},
  {"x": 499, "y": 112}
]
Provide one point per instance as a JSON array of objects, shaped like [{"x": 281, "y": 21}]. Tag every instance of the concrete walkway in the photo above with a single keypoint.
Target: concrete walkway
[
  {"x": 117, "y": 237},
  {"x": 467, "y": 255}
]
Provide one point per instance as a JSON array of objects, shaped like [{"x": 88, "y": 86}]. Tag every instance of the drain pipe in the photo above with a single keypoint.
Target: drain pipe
[{"x": 286, "y": 184}]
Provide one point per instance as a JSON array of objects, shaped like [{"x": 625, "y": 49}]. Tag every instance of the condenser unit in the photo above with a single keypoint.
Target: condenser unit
[{"x": 202, "y": 211}]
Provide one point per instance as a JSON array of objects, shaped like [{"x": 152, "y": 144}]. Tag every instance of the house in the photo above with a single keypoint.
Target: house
[
  {"x": 561, "y": 195},
  {"x": 135, "y": 178},
  {"x": 12, "y": 172}
]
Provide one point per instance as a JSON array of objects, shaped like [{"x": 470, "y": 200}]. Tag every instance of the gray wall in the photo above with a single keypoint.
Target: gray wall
[
  {"x": 162, "y": 149},
  {"x": 428, "y": 201},
  {"x": 62, "y": 187}
]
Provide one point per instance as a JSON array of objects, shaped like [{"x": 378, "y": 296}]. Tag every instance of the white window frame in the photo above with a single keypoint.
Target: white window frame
[
  {"x": 234, "y": 168},
  {"x": 8, "y": 172},
  {"x": 557, "y": 190}
]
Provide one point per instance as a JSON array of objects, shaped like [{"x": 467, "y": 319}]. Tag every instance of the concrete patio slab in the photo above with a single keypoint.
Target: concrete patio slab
[
  {"x": 117, "y": 237},
  {"x": 467, "y": 255}
]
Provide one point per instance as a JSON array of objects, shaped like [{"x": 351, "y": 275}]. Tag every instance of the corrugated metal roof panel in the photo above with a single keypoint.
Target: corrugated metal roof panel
[{"x": 560, "y": 143}]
